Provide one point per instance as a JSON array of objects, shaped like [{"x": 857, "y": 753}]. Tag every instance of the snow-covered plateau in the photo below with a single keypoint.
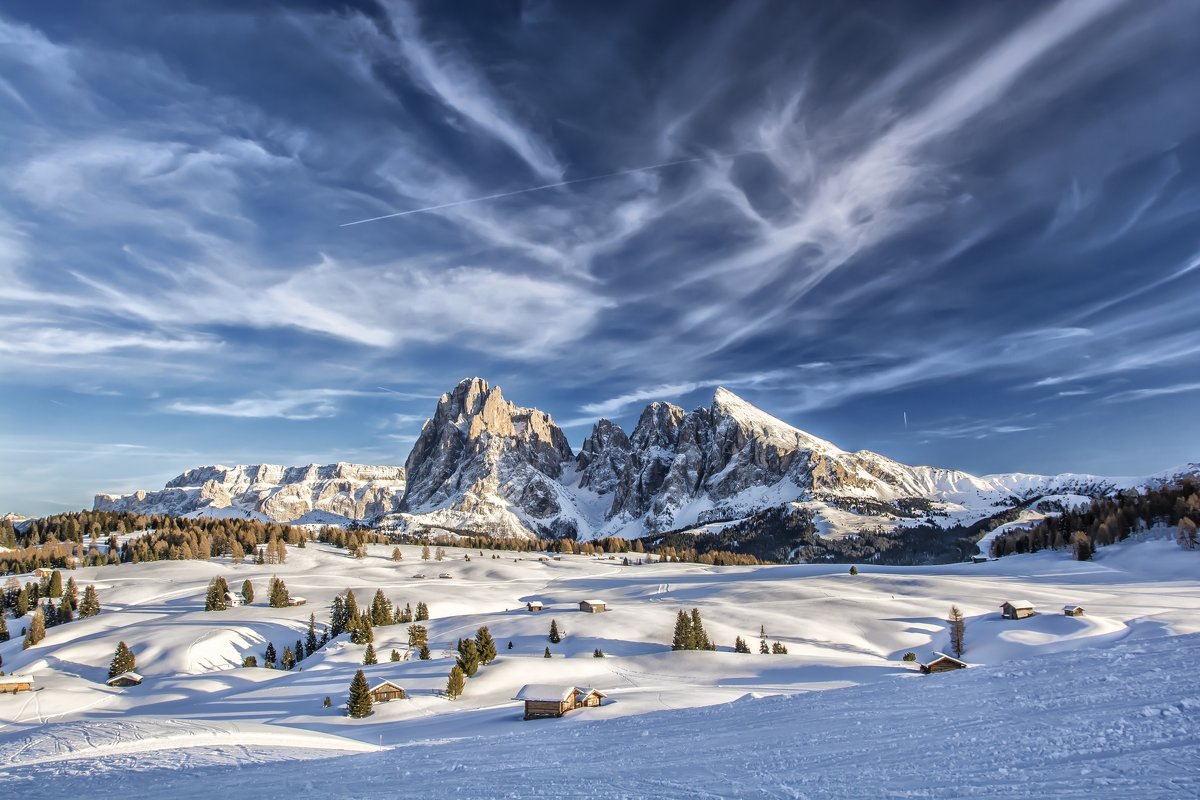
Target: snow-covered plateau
[
  {"x": 1102, "y": 705},
  {"x": 483, "y": 464}
]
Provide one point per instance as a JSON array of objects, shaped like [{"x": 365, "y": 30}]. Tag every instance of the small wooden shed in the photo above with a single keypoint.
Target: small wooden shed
[
  {"x": 543, "y": 700},
  {"x": 43, "y": 572},
  {"x": 386, "y": 690},
  {"x": 533, "y": 605},
  {"x": 125, "y": 679},
  {"x": 1073, "y": 611},
  {"x": 297, "y": 601},
  {"x": 943, "y": 663},
  {"x": 592, "y": 606},
  {"x": 1017, "y": 609},
  {"x": 11, "y": 684}
]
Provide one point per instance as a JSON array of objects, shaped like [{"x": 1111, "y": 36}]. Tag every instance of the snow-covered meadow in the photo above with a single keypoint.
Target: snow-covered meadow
[{"x": 198, "y": 708}]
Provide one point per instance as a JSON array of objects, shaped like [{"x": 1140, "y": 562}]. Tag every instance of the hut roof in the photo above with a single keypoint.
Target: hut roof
[
  {"x": 545, "y": 692},
  {"x": 1073, "y": 607},
  {"x": 586, "y": 690},
  {"x": 944, "y": 657},
  {"x": 1018, "y": 604},
  {"x": 593, "y": 602},
  {"x": 383, "y": 684},
  {"x": 132, "y": 676}
]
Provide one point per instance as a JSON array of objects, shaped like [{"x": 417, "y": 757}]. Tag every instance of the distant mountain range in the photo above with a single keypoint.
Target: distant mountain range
[{"x": 485, "y": 465}]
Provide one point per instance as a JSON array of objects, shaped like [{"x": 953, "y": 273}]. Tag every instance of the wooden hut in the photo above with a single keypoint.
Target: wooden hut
[
  {"x": 592, "y": 606},
  {"x": 1073, "y": 611},
  {"x": 1017, "y": 609},
  {"x": 11, "y": 684},
  {"x": 386, "y": 690},
  {"x": 234, "y": 599},
  {"x": 533, "y": 605},
  {"x": 125, "y": 679},
  {"x": 296, "y": 601},
  {"x": 543, "y": 701},
  {"x": 943, "y": 663}
]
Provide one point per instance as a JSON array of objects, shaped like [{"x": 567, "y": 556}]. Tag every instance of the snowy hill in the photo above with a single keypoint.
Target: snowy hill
[
  {"x": 331, "y": 494},
  {"x": 1051, "y": 706}
]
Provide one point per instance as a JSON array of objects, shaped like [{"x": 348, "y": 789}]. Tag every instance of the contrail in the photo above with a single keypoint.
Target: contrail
[
  {"x": 537, "y": 189},
  {"x": 905, "y": 419}
]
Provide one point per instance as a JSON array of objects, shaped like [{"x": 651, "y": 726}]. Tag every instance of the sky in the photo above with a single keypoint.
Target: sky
[{"x": 961, "y": 234}]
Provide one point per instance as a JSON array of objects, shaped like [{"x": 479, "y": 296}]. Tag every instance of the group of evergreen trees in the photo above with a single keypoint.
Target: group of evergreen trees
[
  {"x": 690, "y": 633},
  {"x": 1108, "y": 520},
  {"x": 28, "y": 599},
  {"x": 122, "y": 662}
]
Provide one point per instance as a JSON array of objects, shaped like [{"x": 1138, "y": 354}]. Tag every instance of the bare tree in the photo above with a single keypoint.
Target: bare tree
[{"x": 958, "y": 631}]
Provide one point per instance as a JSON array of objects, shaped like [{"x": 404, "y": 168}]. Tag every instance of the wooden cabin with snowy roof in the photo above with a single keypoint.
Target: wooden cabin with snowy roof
[
  {"x": 943, "y": 663},
  {"x": 384, "y": 691},
  {"x": 125, "y": 679},
  {"x": 592, "y": 606},
  {"x": 1073, "y": 611},
  {"x": 11, "y": 684},
  {"x": 1017, "y": 609},
  {"x": 544, "y": 700}
]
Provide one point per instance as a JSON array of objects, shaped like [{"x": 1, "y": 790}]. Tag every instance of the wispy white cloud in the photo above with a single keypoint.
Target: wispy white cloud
[
  {"x": 297, "y": 404},
  {"x": 1133, "y": 395}
]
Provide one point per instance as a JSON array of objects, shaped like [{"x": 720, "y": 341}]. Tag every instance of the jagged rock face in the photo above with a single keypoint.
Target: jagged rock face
[
  {"x": 484, "y": 456},
  {"x": 602, "y": 458},
  {"x": 651, "y": 452},
  {"x": 271, "y": 492}
]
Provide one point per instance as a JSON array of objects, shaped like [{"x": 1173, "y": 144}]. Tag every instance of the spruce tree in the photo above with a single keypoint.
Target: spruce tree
[
  {"x": 215, "y": 600},
  {"x": 699, "y": 637},
  {"x": 740, "y": 646},
  {"x": 422, "y": 612},
  {"x": 853, "y": 570},
  {"x": 247, "y": 591},
  {"x": 360, "y": 629},
  {"x": 56, "y": 584},
  {"x": 406, "y": 616},
  {"x": 298, "y": 649},
  {"x": 277, "y": 593},
  {"x": 310, "y": 640},
  {"x": 359, "y": 704},
  {"x": 3, "y": 628},
  {"x": 547, "y": 653},
  {"x": 683, "y": 637},
  {"x": 337, "y": 617},
  {"x": 485, "y": 645},
  {"x": 64, "y": 611},
  {"x": 424, "y": 654},
  {"x": 71, "y": 594},
  {"x": 123, "y": 661},
  {"x": 417, "y": 635},
  {"x": 455, "y": 683},
  {"x": 395, "y": 655},
  {"x": 597, "y": 653},
  {"x": 89, "y": 606},
  {"x": 468, "y": 657},
  {"x": 21, "y": 608},
  {"x": 381, "y": 609},
  {"x": 778, "y": 649},
  {"x": 510, "y": 644},
  {"x": 289, "y": 658},
  {"x": 555, "y": 637},
  {"x": 328, "y": 702},
  {"x": 762, "y": 647},
  {"x": 369, "y": 657},
  {"x": 269, "y": 656},
  {"x": 958, "y": 631}
]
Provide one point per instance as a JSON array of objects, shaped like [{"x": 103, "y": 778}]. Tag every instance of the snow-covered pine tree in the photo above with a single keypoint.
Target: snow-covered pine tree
[
  {"x": 359, "y": 704},
  {"x": 555, "y": 637},
  {"x": 369, "y": 657}
]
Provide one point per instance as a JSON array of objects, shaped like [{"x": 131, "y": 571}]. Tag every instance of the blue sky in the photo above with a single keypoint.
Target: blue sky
[{"x": 985, "y": 217}]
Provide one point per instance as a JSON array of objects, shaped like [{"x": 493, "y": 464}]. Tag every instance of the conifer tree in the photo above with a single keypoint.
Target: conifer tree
[
  {"x": 395, "y": 655},
  {"x": 338, "y": 617},
  {"x": 958, "y": 631},
  {"x": 89, "y": 606},
  {"x": 683, "y": 637},
  {"x": 485, "y": 645},
  {"x": 547, "y": 653},
  {"x": 853, "y": 570},
  {"x": 762, "y": 647},
  {"x": 369, "y": 657},
  {"x": 277, "y": 593},
  {"x": 359, "y": 704},
  {"x": 215, "y": 600},
  {"x": 510, "y": 644},
  {"x": 778, "y": 649},
  {"x": 360, "y": 629},
  {"x": 404, "y": 615},
  {"x": 4, "y": 636},
  {"x": 237, "y": 554},
  {"x": 122, "y": 662},
  {"x": 417, "y": 635},
  {"x": 250, "y": 661},
  {"x": 64, "y": 611},
  {"x": 455, "y": 683},
  {"x": 425, "y": 552},
  {"x": 555, "y": 637},
  {"x": 310, "y": 640},
  {"x": 37, "y": 629},
  {"x": 298, "y": 649},
  {"x": 247, "y": 592},
  {"x": 328, "y": 702},
  {"x": 269, "y": 656},
  {"x": 468, "y": 657},
  {"x": 740, "y": 646},
  {"x": 699, "y": 636},
  {"x": 397, "y": 555},
  {"x": 21, "y": 608},
  {"x": 56, "y": 584},
  {"x": 424, "y": 653},
  {"x": 288, "y": 660},
  {"x": 597, "y": 653},
  {"x": 422, "y": 612},
  {"x": 71, "y": 594},
  {"x": 381, "y": 609}
]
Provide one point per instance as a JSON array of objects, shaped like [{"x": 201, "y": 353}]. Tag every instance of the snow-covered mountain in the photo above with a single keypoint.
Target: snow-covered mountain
[
  {"x": 269, "y": 492},
  {"x": 485, "y": 465}
]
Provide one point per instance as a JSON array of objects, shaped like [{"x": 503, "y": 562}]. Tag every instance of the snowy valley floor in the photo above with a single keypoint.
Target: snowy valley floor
[{"x": 1103, "y": 705}]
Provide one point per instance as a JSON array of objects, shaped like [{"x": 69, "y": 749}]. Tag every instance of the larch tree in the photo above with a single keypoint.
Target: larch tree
[
  {"x": 37, "y": 629},
  {"x": 455, "y": 683},
  {"x": 958, "y": 631}
]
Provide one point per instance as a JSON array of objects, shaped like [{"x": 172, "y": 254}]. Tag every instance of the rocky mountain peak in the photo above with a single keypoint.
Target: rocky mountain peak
[{"x": 602, "y": 457}]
